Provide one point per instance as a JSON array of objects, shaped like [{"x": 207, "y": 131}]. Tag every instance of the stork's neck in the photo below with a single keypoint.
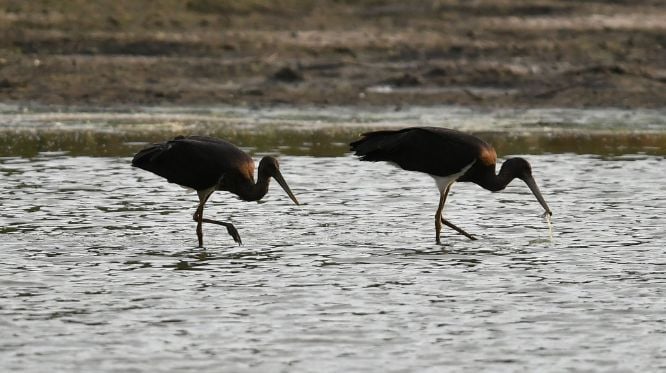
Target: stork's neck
[
  {"x": 498, "y": 182},
  {"x": 249, "y": 191}
]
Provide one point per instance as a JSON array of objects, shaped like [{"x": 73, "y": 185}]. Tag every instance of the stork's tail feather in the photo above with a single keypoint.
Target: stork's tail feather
[
  {"x": 373, "y": 146},
  {"x": 146, "y": 156}
]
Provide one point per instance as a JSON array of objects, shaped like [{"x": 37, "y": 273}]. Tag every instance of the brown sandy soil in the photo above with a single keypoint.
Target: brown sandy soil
[{"x": 499, "y": 53}]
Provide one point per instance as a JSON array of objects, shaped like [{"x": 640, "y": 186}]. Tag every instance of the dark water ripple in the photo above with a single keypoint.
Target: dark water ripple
[{"x": 100, "y": 271}]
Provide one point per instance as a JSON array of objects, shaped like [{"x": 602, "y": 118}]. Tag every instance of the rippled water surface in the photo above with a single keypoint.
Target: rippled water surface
[{"x": 100, "y": 269}]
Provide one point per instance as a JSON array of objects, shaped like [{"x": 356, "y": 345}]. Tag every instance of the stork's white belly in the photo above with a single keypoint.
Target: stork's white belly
[{"x": 443, "y": 182}]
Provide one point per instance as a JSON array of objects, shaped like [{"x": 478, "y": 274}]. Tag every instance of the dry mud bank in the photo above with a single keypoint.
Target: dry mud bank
[{"x": 508, "y": 53}]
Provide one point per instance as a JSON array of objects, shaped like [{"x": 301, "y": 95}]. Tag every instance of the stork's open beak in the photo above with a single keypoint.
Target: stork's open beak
[
  {"x": 529, "y": 180},
  {"x": 278, "y": 177}
]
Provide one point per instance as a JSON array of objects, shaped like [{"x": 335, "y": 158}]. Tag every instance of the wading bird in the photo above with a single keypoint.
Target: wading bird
[
  {"x": 448, "y": 156},
  {"x": 207, "y": 164}
]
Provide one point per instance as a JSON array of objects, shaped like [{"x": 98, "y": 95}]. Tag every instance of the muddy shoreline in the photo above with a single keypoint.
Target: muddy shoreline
[{"x": 201, "y": 52}]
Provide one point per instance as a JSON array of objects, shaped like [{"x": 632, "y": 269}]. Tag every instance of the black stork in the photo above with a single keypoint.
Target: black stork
[
  {"x": 208, "y": 164},
  {"x": 448, "y": 156}
]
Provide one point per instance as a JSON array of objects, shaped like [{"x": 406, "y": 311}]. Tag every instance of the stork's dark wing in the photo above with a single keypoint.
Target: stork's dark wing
[
  {"x": 435, "y": 151},
  {"x": 196, "y": 162}
]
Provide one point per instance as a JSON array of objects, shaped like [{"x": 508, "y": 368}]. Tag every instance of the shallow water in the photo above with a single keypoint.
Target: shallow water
[{"x": 100, "y": 270}]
